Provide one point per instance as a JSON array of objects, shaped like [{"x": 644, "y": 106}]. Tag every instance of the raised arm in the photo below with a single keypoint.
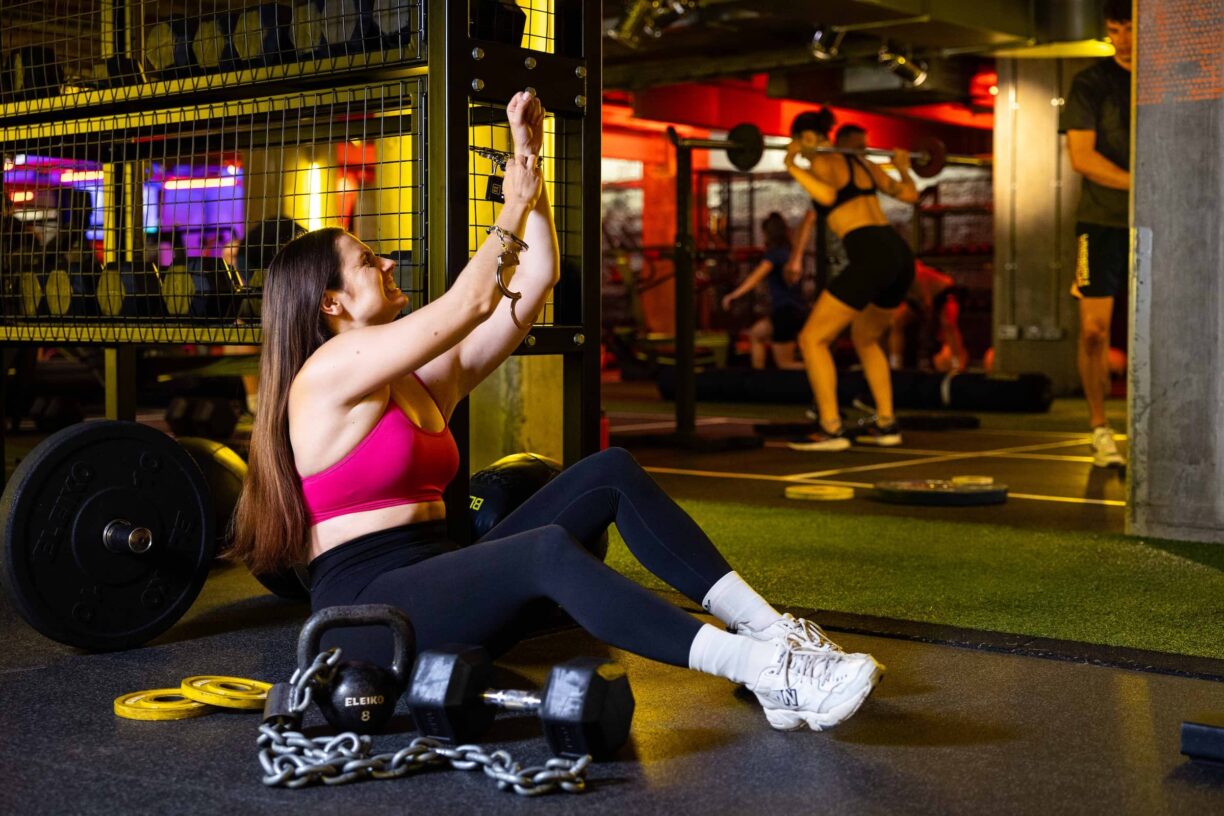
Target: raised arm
[
  {"x": 453, "y": 375},
  {"x": 803, "y": 239},
  {"x": 904, "y": 189},
  {"x": 821, "y": 191},
  {"x": 1090, "y": 164},
  {"x": 356, "y": 362}
]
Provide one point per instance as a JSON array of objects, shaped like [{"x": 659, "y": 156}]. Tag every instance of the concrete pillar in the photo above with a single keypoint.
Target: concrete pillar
[
  {"x": 1176, "y": 473},
  {"x": 518, "y": 409},
  {"x": 1036, "y": 322}
]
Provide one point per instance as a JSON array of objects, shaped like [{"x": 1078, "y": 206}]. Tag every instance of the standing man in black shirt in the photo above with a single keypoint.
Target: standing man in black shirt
[{"x": 1096, "y": 120}]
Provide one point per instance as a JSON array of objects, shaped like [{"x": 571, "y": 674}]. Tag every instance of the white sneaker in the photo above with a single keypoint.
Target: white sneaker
[
  {"x": 818, "y": 689},
  {"x": 1104, "y": 450},
  {"x": 788, "y": 629}
]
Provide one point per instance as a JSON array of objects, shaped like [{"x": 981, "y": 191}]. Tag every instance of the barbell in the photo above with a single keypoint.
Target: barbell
[{"x": 745, "y": 144}]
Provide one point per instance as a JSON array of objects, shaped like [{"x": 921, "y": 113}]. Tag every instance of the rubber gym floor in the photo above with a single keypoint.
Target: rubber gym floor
[{"x": 990, "y": 719}]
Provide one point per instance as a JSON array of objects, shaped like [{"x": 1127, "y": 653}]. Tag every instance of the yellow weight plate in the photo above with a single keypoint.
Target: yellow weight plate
[
  {"x": 226, "y": 692},
  {"x": 59, "y": 292},
  {"x": 110, "y": 293},
  {"x": 972, "y": 480},
  {"x": 159, "y": 704},
  {"x": 177, "y": 290},
  {"x": 31, "y": 293},
  {"x": 819, "y": 492}
]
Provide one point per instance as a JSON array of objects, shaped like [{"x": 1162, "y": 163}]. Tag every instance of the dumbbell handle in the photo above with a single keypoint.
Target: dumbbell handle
[{"x": 512, "y": 699}]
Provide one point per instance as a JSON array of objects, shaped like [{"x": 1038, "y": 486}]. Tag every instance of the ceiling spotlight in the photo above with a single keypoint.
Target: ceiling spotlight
[
  {"x": 825, "y": 43},
  {"x": 648, "y": 18},
  {"x": 912, "y": 73}
]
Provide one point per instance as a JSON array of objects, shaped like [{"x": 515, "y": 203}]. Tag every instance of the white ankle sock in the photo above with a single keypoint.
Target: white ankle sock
[
  {"x": 736, "y": 657},
  {"x": 735, "y": 603}
]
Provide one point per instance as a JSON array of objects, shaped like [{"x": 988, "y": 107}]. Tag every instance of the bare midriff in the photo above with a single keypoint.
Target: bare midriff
[{"x": 335, "y": 531}]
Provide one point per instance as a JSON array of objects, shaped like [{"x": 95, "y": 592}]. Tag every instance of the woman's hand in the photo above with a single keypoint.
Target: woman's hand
[
  {"x": 523, "y": 182},
  {"x": 792, "y": 150},
  {"x": 526, "y": 116},
  {"x": 901, "y": 160},
  {"x": 727, "y": 301}
]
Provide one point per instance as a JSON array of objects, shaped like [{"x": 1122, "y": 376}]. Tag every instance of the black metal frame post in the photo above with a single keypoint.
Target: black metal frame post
[
  {"x": 685, "y": 435},
  {"x": 686, "y": 318},
  {"x": 462, "y": 71}
]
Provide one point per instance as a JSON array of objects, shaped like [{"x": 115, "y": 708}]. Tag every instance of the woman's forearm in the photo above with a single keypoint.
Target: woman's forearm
[{"x": 476, "y": 287}]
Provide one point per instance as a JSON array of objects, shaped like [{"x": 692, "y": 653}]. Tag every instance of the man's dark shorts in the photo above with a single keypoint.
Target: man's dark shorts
[{"x": 1102, "y": 260}]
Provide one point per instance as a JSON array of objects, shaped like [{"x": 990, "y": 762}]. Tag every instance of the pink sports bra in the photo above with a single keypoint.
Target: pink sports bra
[{"x": 398, "y": 462}]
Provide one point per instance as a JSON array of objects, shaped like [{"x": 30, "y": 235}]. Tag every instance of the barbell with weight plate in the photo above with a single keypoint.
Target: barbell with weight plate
[{"x": 745, "y": 144}]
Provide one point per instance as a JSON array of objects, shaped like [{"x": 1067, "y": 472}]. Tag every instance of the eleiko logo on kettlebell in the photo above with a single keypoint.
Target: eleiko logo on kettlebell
[{"x": 364, "y": 701}]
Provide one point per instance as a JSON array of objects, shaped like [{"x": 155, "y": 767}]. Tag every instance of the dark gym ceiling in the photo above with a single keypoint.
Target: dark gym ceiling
[{"x": 707, "y": 39}]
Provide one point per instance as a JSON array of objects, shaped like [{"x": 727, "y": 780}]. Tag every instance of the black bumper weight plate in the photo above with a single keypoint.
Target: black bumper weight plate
[
  {"x": 63, "y": 580},
  {"x": 940, "y": 493}
]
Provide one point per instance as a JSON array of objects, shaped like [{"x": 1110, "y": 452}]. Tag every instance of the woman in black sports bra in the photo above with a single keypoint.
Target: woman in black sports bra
[{"x": 862, "y": 296}]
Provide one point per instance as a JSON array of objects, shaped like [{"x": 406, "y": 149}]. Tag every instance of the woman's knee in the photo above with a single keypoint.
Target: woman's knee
[
  {"x": 556, "y": 546},
  {"x": 610, "y": 465},
  {"x": 813, "y": 336}
]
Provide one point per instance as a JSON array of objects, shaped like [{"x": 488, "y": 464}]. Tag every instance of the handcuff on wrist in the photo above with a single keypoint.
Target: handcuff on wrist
[
  {"x": 509, "y": 256},
  {"x": 500, "y": 157}
]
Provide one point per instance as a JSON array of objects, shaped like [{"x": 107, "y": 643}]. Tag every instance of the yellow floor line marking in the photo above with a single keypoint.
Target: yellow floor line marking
[
  {"x": 668, "y": 425},
  {"x": 931, "y": 460},
  {"x": 1044, "y": 457},
  {"x": 766, "y": 477},
  {"x": 614, "y": 415},
  {"x": 1068, "y": 499}
]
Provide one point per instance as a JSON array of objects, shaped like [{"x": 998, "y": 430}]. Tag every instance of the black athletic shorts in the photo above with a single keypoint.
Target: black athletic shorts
[
  {"x": 880, "y": 272},
  {"x": 787, "y": 321},
  {"x": 1102, "y": 260}
]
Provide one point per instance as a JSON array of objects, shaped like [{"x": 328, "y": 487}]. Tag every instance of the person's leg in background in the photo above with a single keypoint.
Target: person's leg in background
[
  {"x": 902, "y": 317},
  {"x": 828, "y": 319},
  {"x": 758, "y": 341},
  {"x": 786, "y": 323}
]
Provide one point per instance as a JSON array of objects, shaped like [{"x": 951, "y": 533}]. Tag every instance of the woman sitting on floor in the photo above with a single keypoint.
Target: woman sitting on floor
[{"x": 351, "y": 452}]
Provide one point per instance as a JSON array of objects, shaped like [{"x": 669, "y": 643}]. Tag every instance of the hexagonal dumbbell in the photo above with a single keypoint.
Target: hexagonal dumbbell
[{"x": 586, "y": 705}]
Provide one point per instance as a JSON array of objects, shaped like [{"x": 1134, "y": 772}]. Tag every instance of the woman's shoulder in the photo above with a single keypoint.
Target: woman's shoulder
[{"x": 829, "y": 165}]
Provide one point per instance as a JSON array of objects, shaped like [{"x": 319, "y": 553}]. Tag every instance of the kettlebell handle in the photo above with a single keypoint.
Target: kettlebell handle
[{"x": 336, "y": 617}]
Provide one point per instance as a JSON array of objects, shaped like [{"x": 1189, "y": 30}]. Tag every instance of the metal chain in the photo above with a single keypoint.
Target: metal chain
[{"x": 291, "y": 759}]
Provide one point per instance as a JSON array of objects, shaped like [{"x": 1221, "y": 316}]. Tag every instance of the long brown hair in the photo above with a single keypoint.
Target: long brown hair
[{"x": 270, "y": 523}]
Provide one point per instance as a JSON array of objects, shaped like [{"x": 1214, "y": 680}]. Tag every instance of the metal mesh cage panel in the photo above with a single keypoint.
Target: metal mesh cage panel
[
  {"x": 60, "y": 54},
  {"x": 158, "y": 226}
]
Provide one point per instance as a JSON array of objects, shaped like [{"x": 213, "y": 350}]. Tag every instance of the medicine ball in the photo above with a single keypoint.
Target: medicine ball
[
  {"x": 500, "y": 488},
  {"x": 225, "y": 472}
]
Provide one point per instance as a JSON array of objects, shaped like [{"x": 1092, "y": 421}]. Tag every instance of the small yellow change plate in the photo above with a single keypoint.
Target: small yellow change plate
[{"x": 819, "y": 492}]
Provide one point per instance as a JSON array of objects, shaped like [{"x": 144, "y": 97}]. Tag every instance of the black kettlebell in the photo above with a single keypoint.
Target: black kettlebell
[{"x": 362, "y": 695}]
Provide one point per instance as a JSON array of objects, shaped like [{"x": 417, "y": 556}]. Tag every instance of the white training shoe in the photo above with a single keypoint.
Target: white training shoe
[
  {"x": 788, "y": 629},
  {"x": 818, "y": 689},
  {"x": 1104, "y": 450}
]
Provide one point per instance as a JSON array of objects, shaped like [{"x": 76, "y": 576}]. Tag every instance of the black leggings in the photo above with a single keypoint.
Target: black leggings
[{"x": 489, "y": 592}]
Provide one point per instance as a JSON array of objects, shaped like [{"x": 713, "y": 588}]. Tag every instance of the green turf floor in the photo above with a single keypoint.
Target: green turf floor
[{"x": 1096, "y": 588}]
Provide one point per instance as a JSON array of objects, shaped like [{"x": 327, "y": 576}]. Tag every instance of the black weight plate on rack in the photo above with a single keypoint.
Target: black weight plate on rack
[{"x": 62, "y": 578}]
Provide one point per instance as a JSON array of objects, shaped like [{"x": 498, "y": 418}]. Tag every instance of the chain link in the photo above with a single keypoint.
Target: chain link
[{"x": 291, "y": 759}]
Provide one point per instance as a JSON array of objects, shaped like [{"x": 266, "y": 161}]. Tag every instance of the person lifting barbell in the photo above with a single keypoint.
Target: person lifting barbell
[{"x": 843, "y": 187}]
